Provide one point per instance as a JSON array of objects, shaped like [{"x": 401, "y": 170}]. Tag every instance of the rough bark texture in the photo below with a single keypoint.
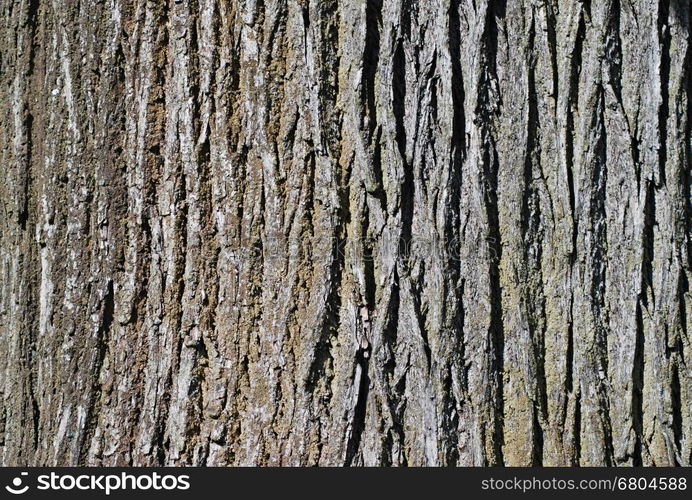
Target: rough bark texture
[{"x": 352, "y": 232}]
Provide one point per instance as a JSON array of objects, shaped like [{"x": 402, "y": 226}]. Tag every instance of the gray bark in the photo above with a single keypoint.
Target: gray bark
[{"x": 298, "y": 232}]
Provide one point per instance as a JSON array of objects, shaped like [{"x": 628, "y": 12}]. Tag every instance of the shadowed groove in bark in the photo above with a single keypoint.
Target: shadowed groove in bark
[
  {"x": 452, "y": 233},
  {"x": 531, "y": 234},
  {"x": 572, "y": 102},
  {"x": 638, "y": 375},
  {"x": 357, "y": 425},
  {"x": 598, "y": 249},
  {"x": 664, "y": 37},
  {"x": 493, "y": 240},
  {"x": 371, "y": 57}
]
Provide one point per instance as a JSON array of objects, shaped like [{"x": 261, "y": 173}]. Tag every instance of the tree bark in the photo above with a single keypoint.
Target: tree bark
[{"x": 345, "y": 232}]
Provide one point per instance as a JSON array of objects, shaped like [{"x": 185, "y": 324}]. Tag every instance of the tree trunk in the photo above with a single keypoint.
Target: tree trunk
[{"x": 345, "y": 232}]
